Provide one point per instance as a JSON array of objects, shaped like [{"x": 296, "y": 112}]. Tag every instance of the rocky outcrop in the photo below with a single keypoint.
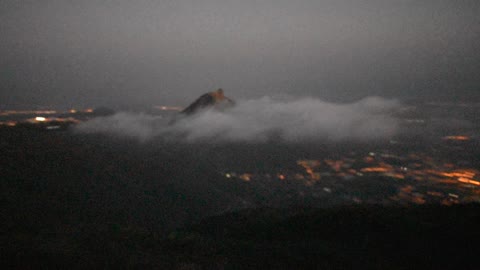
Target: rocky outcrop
[{"x": 215, "y": 99}]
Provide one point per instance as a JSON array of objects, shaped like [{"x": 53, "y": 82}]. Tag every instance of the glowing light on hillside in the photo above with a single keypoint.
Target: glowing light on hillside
[
  {"x": 469, "y": 181},
  {"x": 246, "y": 177},
  {"x": 40, "y": 119},
  {"x": 459, "y": 174},
  {"x": 456, "y": 138},
  {"x": 309, "y": 166},
  {"x": 375, "y": 170}
]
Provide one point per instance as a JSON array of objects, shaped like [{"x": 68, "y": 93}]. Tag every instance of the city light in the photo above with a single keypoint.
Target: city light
[{"x": 457, "y": 138}]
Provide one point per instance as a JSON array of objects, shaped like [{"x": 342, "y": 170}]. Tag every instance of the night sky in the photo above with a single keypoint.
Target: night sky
[{"x": 93, "y": 53}]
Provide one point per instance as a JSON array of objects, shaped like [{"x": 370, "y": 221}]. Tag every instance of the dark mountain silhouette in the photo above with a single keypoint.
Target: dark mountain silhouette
[{"x": 215, "y": 99}]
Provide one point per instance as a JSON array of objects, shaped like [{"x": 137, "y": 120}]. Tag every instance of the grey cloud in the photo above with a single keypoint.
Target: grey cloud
[
  {"x": 260, "y": 120},
  {"x": 140, "y": 126}
]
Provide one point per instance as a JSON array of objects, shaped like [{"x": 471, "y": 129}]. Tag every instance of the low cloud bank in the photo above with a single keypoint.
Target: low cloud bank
[{"x": 260, "y": 120}]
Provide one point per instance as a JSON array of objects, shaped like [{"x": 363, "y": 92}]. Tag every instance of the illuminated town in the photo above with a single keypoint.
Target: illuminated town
[
  {"x": 61, "y": 118},
  {"x": 420, "y": 179},
  {"x": 437, "y": 175}
]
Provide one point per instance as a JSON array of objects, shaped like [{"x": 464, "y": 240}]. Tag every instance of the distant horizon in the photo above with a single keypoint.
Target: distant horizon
[{"x": 137, "y": 105}]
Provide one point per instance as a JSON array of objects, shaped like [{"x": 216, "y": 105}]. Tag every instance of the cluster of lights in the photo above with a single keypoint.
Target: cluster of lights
[{"x": 456, "y": 138}]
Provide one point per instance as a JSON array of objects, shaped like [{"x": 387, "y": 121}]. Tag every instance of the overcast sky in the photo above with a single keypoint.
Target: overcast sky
[{"x": 91, "y": 53}]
